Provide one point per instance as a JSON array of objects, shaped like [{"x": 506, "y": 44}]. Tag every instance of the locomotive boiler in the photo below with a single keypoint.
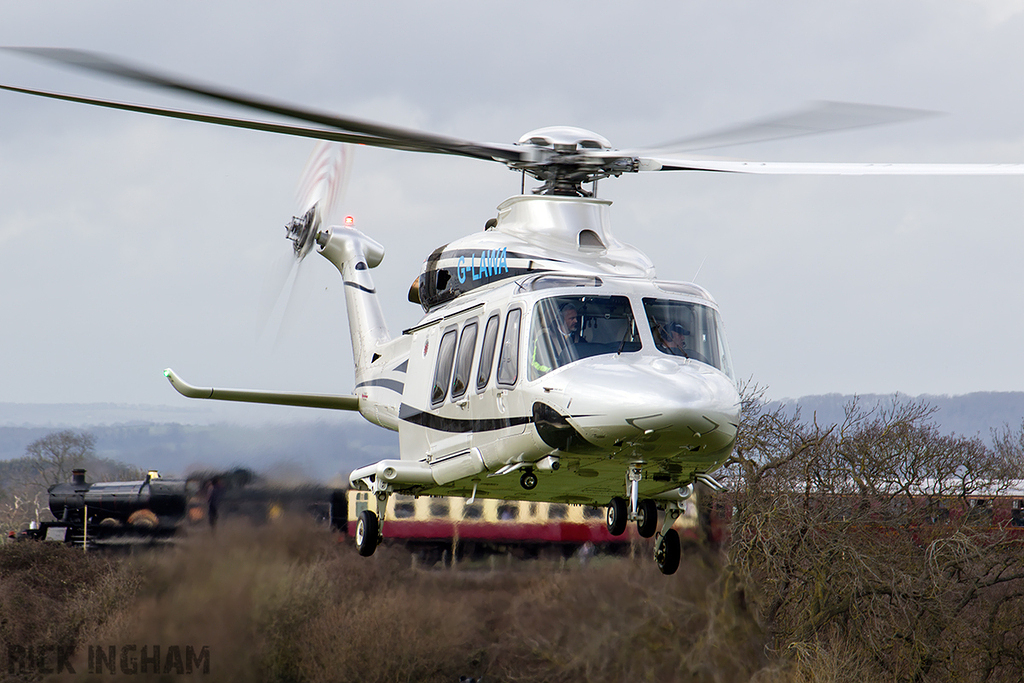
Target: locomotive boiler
[{"x": 149, "y": 503}]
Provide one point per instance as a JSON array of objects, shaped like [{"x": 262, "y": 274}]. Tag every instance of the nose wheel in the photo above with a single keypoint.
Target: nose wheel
[
  {"x": 528, "y": 481},
  {"x": 643, "y": 512}
]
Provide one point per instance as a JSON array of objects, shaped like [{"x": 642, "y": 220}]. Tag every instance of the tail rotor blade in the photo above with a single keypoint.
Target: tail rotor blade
[
  {"x": 325, "y": 178},
  {"x": 319, "y": 194}
]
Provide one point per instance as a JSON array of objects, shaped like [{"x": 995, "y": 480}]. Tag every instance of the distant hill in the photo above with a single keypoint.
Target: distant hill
[
  {"x": 974, "y": 414},
  {"x": 321, "y": 447}
]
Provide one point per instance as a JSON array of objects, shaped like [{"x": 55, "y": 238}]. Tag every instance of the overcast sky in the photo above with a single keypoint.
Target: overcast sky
[{"x": 129, "y": 243}]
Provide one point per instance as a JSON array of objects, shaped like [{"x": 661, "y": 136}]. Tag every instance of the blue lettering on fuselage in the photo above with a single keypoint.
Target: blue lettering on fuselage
[{"x": 484, "y": 264}]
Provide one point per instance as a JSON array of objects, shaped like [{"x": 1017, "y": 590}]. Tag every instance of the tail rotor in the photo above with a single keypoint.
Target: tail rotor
[{"x": 319, "y": 195}]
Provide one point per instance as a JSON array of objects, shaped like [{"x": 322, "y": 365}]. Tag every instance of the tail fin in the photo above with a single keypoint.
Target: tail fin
[{"x": 353, "y": 254}]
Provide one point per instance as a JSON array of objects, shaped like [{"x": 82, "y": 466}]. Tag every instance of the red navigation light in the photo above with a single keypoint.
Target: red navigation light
[{"x": 349, "y": 221}]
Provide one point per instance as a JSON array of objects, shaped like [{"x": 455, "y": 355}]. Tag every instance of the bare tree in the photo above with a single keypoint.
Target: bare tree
[
  {"x": 864, "y": 536},
  {"x": 55, "y": 455}
]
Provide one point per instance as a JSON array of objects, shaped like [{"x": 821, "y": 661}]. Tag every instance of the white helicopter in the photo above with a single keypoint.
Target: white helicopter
[{"x": 551, "y": 363}]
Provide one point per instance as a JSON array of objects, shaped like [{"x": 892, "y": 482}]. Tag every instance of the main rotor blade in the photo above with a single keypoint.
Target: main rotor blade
[
  {"x": 825, "y": 168},
  {"x": 819, "y": 117},
  {"x": 399, "y": 138},
  {"x": 316, "y": 133}
]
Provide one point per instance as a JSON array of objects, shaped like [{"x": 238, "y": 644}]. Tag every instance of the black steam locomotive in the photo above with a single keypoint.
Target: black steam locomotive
[{"x": 157, "y": 508}]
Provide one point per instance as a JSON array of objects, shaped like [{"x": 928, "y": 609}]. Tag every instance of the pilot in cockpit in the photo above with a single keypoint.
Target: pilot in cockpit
[
  {"x": 554, "y": 338},
  {"x": 570, "y": 322}
]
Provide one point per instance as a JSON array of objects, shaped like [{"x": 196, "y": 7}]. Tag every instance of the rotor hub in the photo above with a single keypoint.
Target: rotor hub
[
  {"x": 567, "y": 157},
  {"x": 564, "y": 139}
]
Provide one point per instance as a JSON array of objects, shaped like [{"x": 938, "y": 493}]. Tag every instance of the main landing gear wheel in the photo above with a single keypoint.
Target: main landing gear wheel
[
  {"x": 666, "y": 553},
  {"x": 367, "y": 533},
  {"x": 528, "y": 481},
  {"x": 647, "y": 518},
  {"x": 616, "y": 518}
]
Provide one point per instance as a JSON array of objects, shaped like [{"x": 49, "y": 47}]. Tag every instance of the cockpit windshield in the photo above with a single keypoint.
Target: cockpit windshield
[
  {"x": 690, "y": 330},
  {"x": 567, "y": 328}
]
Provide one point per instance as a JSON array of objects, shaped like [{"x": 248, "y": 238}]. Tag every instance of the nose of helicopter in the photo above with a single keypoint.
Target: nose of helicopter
[{"x": 667, "y": 405}]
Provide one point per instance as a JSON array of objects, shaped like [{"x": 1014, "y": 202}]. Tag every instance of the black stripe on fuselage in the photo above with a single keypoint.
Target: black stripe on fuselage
[
  {"x": 456, "y": 425},
  {"x": 360, "y": 287},
  {"x": 392, "y": 384}
]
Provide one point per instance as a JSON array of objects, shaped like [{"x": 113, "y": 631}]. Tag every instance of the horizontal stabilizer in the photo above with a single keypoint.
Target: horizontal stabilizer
[{"x": 274, "y": 397}]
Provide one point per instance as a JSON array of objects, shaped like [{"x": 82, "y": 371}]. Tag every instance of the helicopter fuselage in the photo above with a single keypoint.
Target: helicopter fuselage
[{"x": 482, "y": 388}]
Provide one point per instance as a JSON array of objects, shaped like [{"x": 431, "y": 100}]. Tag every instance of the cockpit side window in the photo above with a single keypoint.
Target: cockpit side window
[
  {"x": 568, "y": 328},
  {"x": 483, "y": 373},
  {"x": 689, "y": 330},
  {"x": 443, "y": 370},
  {"x": 508, "y": 361},
  {"x": 464, "y": 360}
]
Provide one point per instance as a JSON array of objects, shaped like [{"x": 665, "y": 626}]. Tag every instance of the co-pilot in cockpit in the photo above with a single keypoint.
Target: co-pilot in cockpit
[{"x": 691, "y": 330}]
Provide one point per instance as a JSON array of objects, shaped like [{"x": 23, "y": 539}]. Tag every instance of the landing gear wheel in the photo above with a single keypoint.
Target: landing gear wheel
[
  {"x": 367, "y": 533},
  {"x": 616, "y": 518},
  {"x": 647, "y": 518},
  {"x": 666, "y": 553},
  {"x": 528, "y": 481}
]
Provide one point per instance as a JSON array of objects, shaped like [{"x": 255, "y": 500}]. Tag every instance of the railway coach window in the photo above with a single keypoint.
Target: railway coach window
[
  {"x": 980, "y": 512},
  {"x": 405, "y": 510},
  {"x": 440, "y": 508},
  {"x": 472, "y": 511},
  {"x": 557, "y": 511},
  {"x": 508, "y": 512}
]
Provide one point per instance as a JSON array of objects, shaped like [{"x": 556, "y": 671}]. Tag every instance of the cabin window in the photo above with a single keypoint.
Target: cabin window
[
  {"x": 483, "y": 373},
  {"x": 443, "y": 371},
  {"x": 508, "y": 361},
  {"x": 464, "y": 360},
  {"x": 688, "y": 330},
  {"x": 568, "y": 328}
]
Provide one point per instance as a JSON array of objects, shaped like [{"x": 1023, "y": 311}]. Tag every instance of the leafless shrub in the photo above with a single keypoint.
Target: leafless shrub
[{"x": 840, "y": 530}]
